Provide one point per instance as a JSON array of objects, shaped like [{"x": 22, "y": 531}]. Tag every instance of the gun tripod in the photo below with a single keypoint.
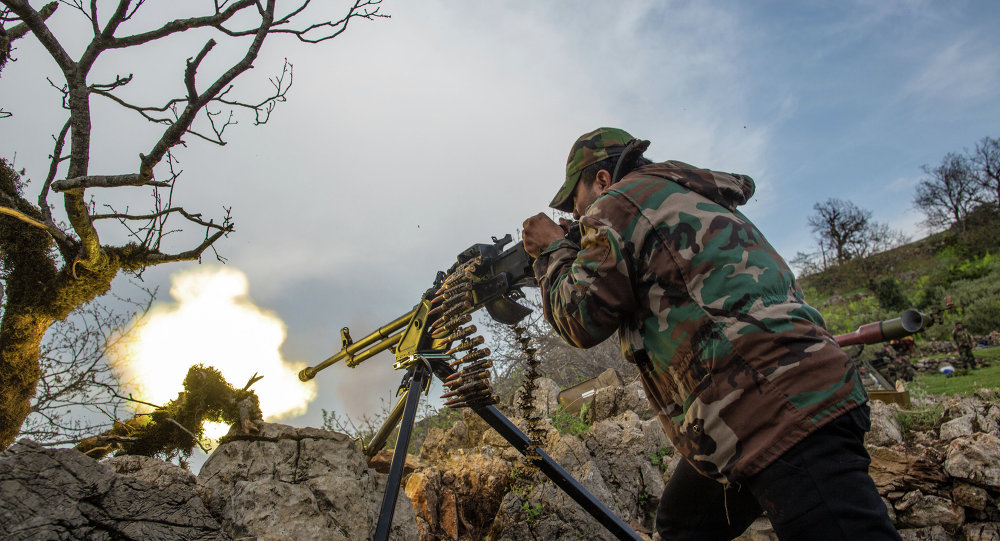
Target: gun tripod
[{"x": 416, "y": 380}]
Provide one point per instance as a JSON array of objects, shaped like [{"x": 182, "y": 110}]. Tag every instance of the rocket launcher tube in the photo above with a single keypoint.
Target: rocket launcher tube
[{"x": 909, "y": 323}]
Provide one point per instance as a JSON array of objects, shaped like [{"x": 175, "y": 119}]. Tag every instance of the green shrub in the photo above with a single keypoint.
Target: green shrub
[
  {"x": 660, "y": 458},
  {"x": 921, "y": 420},
  {"x": 570, "y": 423},
  {"x": 890, "y": 295},
  {"x": 982, "y": 316}
]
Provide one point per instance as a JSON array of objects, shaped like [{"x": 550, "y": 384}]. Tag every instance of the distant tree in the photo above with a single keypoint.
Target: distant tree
[
  {"x": 985, "y": 158},
  {"x": 950, "y": 192},
  {"x": 806, "y": 263},
  {"x": 51, "y": 269},
  {"x": 565, "y": 364},
  {"x": 841, "y": 228}
]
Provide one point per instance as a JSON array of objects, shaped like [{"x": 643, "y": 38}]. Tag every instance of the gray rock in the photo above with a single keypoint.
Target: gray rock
[
  {"x": 289, "y": 483},
  {"x": 931, "y": 533},
  {"x": 990, "y": 420},
  {"x": 613, "y": 401},
  {"x": 885, "y": 430},
  {"x": 975, "y": 459},
  {"x": 960, "y": 426},
  {"x": 970, "y": 496},
  {"x": 64, "y": 494},
  {"x": 613, "y": 462},
  {"x": 917, "y": 510},
  {"x": 759, "y": 530},
  {"x": 981, "y": 531}
]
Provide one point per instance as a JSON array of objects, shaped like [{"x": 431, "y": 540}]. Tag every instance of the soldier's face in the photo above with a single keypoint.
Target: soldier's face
[{"x": 584, "y": 195}]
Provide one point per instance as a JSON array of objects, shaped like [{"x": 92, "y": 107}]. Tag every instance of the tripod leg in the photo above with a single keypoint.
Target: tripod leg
[
  {"x": 420, "y": 377},
  {"x": 557, "y": 474},
  {"x": 379, "y": 439}
]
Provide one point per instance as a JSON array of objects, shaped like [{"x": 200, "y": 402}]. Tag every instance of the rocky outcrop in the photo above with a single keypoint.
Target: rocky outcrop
[
  {"x": 942, "y": 483},
  {"x": 297, "y": 483},
  {"x": 284, "y": 483},
  {"x": 64, "y": 494},
  {"x": 939, "y": 478}
]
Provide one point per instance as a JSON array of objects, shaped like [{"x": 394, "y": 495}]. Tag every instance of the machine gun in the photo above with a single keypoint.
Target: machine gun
[{"x": 426, "y": 342}]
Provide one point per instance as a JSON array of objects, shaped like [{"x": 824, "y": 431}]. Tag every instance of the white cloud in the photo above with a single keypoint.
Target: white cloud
[{"x": 963, "y": 70}]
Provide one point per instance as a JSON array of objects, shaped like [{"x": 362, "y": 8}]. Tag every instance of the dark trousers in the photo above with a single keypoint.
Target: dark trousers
[{"x": 818, "y": 490}]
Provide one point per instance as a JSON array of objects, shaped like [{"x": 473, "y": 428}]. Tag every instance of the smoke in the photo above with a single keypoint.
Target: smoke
[{"x": 212, "y": 322}]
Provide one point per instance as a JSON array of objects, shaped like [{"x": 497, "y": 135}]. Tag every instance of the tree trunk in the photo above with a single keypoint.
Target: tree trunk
[
  {"x": 37, "y": 295},
  {"x": 20, "y": 335}
]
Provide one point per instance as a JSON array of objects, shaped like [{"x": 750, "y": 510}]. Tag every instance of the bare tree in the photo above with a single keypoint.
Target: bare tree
[
  {"x": 51, "y": 269},
  {"x": 840, "y": 226},
  {"x": 985, "y": 158},
  {"x": 949, "y": 194}
]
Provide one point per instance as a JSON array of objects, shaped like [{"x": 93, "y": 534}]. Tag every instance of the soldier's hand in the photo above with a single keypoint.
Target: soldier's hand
[{"x": 539, "y": 232}]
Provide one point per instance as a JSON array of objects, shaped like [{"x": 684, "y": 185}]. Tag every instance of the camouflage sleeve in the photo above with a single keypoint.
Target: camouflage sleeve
[{"x": 586, "y": 291}]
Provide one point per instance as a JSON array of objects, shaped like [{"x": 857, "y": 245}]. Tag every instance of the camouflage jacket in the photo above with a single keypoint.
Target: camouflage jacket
[
  {"x": 962, "y": 338},
  {"x": 737, "y": 366}
]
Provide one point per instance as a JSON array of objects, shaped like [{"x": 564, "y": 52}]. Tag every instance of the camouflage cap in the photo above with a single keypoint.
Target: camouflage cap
[{"x": 589, "y": 149}]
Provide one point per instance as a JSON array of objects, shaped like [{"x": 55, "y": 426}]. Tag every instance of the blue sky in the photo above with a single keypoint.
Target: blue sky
[{"x": 406, "y": 140}]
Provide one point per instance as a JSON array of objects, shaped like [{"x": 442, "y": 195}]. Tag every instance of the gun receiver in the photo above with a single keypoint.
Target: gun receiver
[{"x": 495, "y": 277}]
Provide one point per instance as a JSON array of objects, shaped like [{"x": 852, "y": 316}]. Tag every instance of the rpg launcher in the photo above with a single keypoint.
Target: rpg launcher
[
  {"x": 435, "y": 338},
  {"x": 909, "y": 323}
]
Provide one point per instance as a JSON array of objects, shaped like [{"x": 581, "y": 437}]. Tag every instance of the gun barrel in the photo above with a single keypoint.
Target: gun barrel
[
  {"x": 374, "y": 343},
  {"x": 909, "y": 323}
]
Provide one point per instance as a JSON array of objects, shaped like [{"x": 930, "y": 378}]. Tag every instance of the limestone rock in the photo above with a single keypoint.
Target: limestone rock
[
  {"x": 461, "y": 499},
  {"x": 971, "y": 496},
  {"x": 64, "y": 494},
  {"x": 895, "y": 469},
  {"x": 289, "y": 483},
  {"x": 885, "y": 429},
  {"x": 613, "y": 462},
  {"x": 382, "y": 462},
  {"x": 613, "y": 401},
  {"x": 759, "y": 530},
  {"x": 919, "y": 510},
  {"x": 960, "y": 426},
  {"x": 976, "y": 459},
  {"x": 931, "y": 533},
  {"x": 990, "y": 420},
  {"x": 981, "y": 531}
]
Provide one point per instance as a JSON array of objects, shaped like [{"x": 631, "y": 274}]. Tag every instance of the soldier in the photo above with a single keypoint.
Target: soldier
[
  {"x": 752, "y": 390},
  {"x": 963, "y": 342},
  {"x": 887, "y": 363}
]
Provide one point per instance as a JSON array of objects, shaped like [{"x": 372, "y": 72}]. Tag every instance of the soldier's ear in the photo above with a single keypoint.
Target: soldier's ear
[{"x": 603, "y": 179}]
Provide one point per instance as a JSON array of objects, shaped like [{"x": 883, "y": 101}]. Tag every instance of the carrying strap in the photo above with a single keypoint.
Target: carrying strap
[{"x": 628, "y": 158}]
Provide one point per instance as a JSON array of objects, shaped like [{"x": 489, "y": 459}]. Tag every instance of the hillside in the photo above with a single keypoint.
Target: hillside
[{"x": 962, "y": 264}]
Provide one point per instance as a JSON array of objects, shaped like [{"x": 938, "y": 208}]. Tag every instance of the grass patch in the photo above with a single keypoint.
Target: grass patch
[
  {"x": 966, "y": 384},
  {"x": 570, "y": 423},
  {"x": 923, "y": 420}
]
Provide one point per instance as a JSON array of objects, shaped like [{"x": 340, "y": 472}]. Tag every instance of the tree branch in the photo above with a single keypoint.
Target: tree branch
[
  {"x": 104, "y": 181},
  {"x": 56, "y": 158},
  {"x": 20, "y": 30},
  {"x": 35, "y": 21},
  {"x": 180, "y": 25},
  {"x": 51, "y": 229}
]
